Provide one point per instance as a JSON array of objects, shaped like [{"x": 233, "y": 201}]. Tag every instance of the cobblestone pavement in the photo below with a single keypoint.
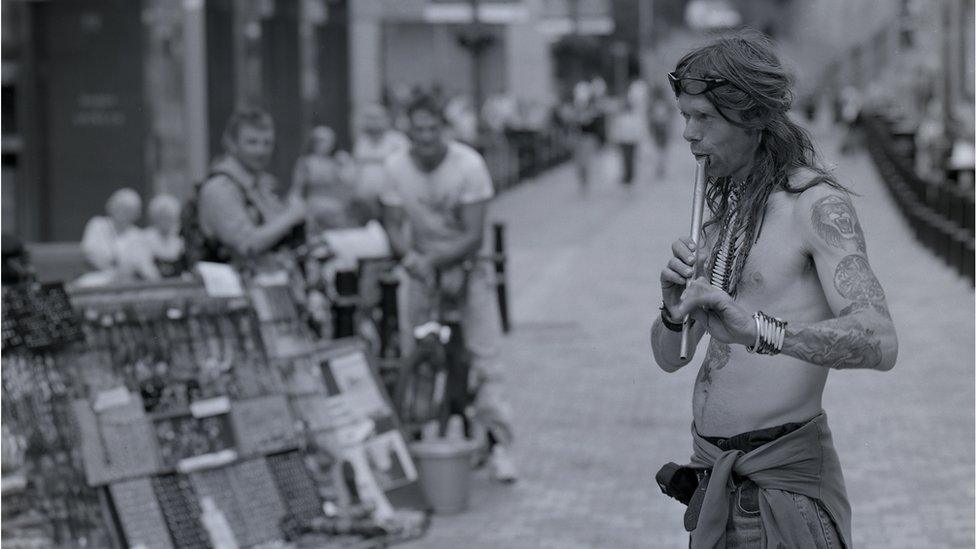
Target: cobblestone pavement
[{"x": 597, "y": 417}]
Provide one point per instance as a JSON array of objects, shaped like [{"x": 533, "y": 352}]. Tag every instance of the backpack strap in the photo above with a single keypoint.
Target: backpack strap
[
  {"x": 211, "y": 249},
  {"x": 248, "y": 201}
]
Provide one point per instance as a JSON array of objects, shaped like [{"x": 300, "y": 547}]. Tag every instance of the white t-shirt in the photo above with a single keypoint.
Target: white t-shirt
[{"x": 432, "y": 201}]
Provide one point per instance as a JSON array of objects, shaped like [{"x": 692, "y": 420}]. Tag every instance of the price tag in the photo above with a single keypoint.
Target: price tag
[{"x": 220, "y": 279}]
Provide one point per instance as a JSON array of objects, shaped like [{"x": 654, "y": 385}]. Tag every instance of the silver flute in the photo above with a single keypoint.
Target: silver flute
[{"x": 697, "y": 211}]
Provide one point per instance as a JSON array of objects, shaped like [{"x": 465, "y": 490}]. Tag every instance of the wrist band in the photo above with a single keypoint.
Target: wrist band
[
  {"x": 669, "y": 322},
  {"x": 770, "y": 333}
]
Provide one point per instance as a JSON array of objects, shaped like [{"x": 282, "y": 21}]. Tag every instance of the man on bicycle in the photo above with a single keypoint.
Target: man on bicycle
[{"x": 434, "y": 206}]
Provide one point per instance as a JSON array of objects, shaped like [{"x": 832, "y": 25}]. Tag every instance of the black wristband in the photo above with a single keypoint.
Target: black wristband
[{"x": 669, "y": 323}]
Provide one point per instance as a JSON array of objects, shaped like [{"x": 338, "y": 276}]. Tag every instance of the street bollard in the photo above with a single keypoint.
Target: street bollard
[
  {"x": 390, "y": 319},
  {"x": 344, "y": 317},
  {"x": 500, "y": 280}
]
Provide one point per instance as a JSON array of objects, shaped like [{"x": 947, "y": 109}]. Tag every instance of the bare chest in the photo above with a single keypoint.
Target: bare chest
[{"x": 778, "y": 270}]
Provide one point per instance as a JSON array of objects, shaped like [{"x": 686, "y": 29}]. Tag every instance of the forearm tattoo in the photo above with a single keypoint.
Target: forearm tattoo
[
  {"x": 835, "y": 221},
  {"x": 845, "y": 341},
  {"x": 841, "y": 343}
]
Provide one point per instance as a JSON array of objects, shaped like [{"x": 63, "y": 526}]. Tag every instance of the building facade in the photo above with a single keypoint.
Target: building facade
[
  {"x": 103, "y": 94},
  {"x": 407, "y": 43}
]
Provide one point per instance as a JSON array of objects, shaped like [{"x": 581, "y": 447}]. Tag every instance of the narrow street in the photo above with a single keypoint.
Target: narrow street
[{"x": 596, "y": 417}]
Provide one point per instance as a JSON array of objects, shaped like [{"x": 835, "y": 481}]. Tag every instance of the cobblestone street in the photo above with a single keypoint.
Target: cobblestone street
[{"x": 597, "y": 417}]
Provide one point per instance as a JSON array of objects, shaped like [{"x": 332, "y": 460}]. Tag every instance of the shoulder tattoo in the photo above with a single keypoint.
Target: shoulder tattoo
[
  {"x": 854, "y": 280},
  {"x": 835, "y": 221}
]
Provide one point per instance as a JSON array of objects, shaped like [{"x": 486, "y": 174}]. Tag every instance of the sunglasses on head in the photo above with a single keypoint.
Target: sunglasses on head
[{"x": 693, "y": 86}]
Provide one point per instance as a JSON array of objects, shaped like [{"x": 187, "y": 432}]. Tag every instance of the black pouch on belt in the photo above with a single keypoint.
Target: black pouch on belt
[
  {"x": 678, "y": 481},
  {"x": 687, "y": 485}
]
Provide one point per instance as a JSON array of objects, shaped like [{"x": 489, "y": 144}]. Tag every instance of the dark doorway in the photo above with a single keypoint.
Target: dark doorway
[
  {"x": 91, "y": 109},
  {"x": 280, "y": 70},
  {"x": 220, "y": 69},
  {"x": 331, "y": 107}
]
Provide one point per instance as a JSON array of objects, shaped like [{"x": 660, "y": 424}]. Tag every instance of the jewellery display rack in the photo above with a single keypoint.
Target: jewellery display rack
[
  {"x": 281, "y": 323},
  {"x": 38, "y": 317},
  {"x": 170, "y": 398},
  {"x": 336, "y": 392}
]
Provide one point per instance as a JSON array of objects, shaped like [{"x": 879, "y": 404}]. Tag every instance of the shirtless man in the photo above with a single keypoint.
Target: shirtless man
[{"x": 785, "y": 292}]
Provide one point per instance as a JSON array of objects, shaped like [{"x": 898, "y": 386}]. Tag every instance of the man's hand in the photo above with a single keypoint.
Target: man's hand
[
  {"x": 724, "y": 319},
  {"x": 680, "y": 269},
  {"x": 419, "y": 267}
]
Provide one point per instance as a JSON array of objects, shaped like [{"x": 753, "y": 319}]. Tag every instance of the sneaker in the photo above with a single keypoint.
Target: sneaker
[{"x": 501, "y": 467}]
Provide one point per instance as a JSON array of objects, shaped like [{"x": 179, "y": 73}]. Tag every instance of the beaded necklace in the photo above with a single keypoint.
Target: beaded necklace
[{"x": 729, "y": 253}]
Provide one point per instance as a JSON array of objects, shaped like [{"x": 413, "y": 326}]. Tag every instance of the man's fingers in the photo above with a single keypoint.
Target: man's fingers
[
  {"x": 669, "y": 275},
  {"x": 693, "y": 298},
  {"x": 680, "y": 267},
  {"x": 684, "y": 251}
]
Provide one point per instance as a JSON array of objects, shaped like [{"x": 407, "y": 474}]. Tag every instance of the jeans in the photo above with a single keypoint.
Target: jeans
[{"x": 744, "y": 529}]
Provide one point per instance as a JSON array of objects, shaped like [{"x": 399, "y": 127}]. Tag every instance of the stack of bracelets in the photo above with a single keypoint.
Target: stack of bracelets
[{"x": 770, "y": 332}]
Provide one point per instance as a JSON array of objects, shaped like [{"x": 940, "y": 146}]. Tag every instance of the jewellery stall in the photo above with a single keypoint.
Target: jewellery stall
[{"x": 167, "y": 415}]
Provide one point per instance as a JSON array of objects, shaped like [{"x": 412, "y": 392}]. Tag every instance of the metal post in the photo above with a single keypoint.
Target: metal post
[
  {"x": 645, "y": 38},
  {"x": 195, "y": 88},
  {"x": 501, "y": 284},
  {"x": 390, "y": 320},
  {"x": 476, "y": 60}
]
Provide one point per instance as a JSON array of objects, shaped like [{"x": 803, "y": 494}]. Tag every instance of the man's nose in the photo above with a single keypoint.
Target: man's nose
[{"x": 691, "y": 133}]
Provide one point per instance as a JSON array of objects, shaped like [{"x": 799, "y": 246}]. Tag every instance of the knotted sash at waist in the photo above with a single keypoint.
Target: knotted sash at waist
[{"x": 801, "y": 462}]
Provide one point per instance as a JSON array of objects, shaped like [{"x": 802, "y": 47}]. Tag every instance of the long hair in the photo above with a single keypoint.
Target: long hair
[{"x": 760, "y": 94}]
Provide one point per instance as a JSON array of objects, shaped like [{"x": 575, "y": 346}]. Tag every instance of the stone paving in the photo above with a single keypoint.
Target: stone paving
[{"x": 597, "y": 417}]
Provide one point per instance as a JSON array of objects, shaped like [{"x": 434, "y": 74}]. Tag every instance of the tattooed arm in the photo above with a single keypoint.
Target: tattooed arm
[{"x": 861, "y": 335}]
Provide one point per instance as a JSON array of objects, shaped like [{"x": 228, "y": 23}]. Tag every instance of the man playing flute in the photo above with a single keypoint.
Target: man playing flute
[{"x": 785, "y": 292}]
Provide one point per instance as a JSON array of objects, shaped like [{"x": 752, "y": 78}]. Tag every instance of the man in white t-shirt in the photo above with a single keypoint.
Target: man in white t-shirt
[{"x": 434, "y": 207}]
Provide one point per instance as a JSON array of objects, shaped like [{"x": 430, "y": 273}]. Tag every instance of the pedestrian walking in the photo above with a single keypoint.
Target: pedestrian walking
[
  {"x": 586, "y": 135},
  {"x": 660, "y": 114},
  {"x": 627, "y": 134},
  {"x": 783, "y": 288},
  {"x": 437, "y": 194}
]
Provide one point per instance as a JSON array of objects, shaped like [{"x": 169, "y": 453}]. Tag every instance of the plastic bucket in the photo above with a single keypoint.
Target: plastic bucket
[{"x": 445, "y": 473}]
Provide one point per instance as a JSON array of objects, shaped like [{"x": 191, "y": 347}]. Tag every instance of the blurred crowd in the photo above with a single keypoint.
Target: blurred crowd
[
  {"x": 334, "y": 189},
  {"x": 938, "y": 145}
]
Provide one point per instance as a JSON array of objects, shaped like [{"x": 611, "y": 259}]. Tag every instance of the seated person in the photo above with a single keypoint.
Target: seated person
[
  {"x": 113, "y": 244},
  {"x": 162, "y": 236},
  {"x": 100, "y": 241}
]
